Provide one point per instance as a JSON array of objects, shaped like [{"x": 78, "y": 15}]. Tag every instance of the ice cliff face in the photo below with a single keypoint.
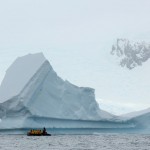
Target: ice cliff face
[
  {"x": 32, "y": 89},
  {"x": 131, "y": 54}
]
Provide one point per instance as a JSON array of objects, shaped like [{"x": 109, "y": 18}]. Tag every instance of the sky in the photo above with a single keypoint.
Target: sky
[{"x": 76, "y": 37}]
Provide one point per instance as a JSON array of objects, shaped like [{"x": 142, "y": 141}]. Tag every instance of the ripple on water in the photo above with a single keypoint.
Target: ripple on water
[{"x": 76, "y": 142}]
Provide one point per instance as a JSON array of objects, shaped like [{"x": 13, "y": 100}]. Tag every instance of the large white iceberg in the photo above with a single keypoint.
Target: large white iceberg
[
  {"x": 32, "y": 89},
  {"x": 33, "y": 96}
]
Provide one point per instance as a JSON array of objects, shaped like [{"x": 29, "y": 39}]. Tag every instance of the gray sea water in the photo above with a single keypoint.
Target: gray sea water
[{"x": 76, "y": 142}]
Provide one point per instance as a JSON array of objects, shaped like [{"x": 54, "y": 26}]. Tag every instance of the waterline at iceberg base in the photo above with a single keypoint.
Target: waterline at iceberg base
[{"x": 64, "y": 126}]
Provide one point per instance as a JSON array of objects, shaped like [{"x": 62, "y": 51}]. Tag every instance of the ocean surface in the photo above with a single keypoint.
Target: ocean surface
[{"x": 76, "y": 142}]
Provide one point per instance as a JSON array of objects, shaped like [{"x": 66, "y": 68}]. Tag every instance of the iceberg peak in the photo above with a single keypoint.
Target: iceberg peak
[{"x": 18, "y": 74}]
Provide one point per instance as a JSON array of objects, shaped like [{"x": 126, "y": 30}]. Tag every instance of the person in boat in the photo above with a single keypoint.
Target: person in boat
[{"x": 44, "y": 131}]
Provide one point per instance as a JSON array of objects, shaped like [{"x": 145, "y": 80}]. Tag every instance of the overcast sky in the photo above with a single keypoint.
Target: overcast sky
[{"x": 75, "y": 36}]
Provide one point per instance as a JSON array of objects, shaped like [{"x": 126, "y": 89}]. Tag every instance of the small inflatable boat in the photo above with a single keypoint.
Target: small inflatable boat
[
  {"x": 38, "y": 133},
  {"x": 29, "y": 134}
]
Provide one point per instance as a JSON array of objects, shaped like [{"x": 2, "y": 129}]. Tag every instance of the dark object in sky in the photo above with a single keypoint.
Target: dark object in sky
[{"x": 131, "y": 54}]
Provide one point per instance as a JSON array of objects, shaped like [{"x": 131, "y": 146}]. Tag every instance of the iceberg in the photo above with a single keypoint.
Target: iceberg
[
  {"x": 32, "y": 89},
  {"x": 32, "y": 95}
]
